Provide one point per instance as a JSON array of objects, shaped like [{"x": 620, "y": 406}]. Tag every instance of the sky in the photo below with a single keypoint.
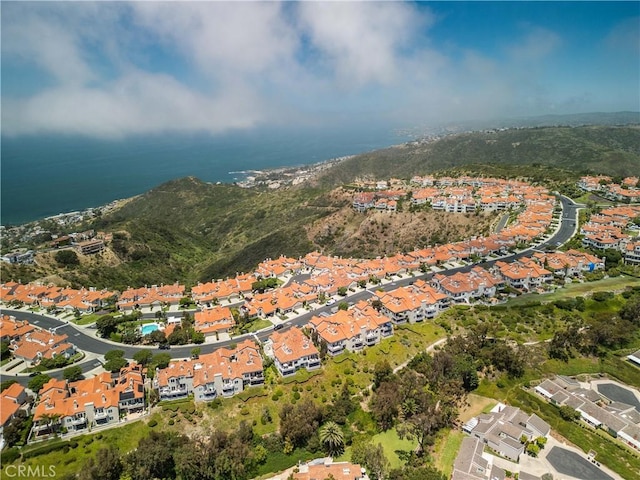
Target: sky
[{"x": 111, "y": 70}]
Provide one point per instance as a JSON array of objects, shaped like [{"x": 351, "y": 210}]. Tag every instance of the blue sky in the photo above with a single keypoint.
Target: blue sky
[{"x": 110, "y": 70}]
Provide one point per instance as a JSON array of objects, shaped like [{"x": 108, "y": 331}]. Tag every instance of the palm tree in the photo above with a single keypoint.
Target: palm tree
[{"x": 332, "y": 438}]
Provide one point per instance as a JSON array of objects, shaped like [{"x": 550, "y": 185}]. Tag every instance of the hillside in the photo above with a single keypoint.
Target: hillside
[
  {"x": 187, "y": 230},
  {"x": 610, "y": 150}
]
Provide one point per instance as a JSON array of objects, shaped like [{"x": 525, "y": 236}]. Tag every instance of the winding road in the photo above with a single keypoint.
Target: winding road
[{"x": 91, "y": 343}]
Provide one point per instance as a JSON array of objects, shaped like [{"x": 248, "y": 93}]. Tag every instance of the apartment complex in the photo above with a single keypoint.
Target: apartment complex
[
  {"x": 85, "y": 404},
  {"x": 222, "y": 373}
]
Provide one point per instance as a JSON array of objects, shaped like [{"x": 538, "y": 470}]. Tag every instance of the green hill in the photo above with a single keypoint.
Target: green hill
[{"x": 610, "y": 150}]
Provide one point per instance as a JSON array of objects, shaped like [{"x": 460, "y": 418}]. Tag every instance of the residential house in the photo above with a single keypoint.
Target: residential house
[
  {"x": 12, "y": 399},
  {"x": 466, "y": 287},
  {"x": 524, "y": 274},
  {"x": 327, "y": 469},
  {"x": 150, "y": 297},
  {"x": 353, "y": 329},
  {"x": 39, "y": 344},
  {"x": 469, "y": 463},
  {"x": 89, "y": 403},
  {"x": 222, "y": 373},
  {"x": 214, "y": 321},
  {"x": 413, "y": 303},
  {"x": 503, "y": 428},
  {"x": 292, "y": 350}
]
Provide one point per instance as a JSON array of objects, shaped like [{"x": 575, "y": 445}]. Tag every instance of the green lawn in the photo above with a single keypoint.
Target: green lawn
[
  {"x": 391, "y": 443},
  {"x": 446, "y": 450},
  {"x": 576, "y": 289},
  {"x": 259, "y": 324},
  {"x": 86, "y": 319}
]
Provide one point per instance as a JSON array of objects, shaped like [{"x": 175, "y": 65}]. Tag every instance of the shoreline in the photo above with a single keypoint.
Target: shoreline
[{"x": 256, "y": 176}]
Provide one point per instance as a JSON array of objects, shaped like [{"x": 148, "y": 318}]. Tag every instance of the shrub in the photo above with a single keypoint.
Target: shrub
[
  {"x": 244, "y": 411},
  {"x": 73, "y": 444},
  {"x": 602, "y": 296},
  {"x": 9, "y": 455},
  {"x": 171, "y": 421},
  {"x": 153, "y": 423},
  {"x": 44, "y": 449}
]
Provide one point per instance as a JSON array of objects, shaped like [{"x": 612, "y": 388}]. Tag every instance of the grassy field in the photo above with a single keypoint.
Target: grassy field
[
  {"x": 392, "y": 443},
  {"x": 124, "y": 438},
  {"x": 576, "y": 289},
  {"x": 475, "y": 406},
  {"x": 446, "y": 449}
]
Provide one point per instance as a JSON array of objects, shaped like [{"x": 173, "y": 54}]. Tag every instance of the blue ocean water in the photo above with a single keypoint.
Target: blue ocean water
[{"x": 47, "y": 175}]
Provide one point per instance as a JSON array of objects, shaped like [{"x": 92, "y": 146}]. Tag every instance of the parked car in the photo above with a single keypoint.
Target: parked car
[
  {"x": 164, "y": 346},
  {"x": 331, "y": 301},
  {"x": 278, "y": 327}
]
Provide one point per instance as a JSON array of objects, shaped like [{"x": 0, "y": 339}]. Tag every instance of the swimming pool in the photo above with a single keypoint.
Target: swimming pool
[{"x": 148, "y": 328}]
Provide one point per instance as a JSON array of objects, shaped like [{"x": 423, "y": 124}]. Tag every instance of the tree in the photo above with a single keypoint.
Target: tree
[
  {"x": 382, "y": 372},
  {"x": 342, "y": 406},
  {"x": 106, "y": 465},
  {"x": 106, "y": 325},
  {"x": 154, "y": 456},
  {"x": 631, "y": 310},
  {"x": 67, "y": 258},
  {"x": 343, "y": 306},
  {"x": 157, "y": 336},
  {"x": 13, "y": 432},
  {"x": 298, "y": 423},
  {"x": 332, "y": 439},
  {"x": 533, "y": 449},
  {"x": 371, "y": 457},
  {"x": 195, "y": 352},
  {"x": 384, "y": 405},
  {"x": 36, "y": 383},
  {"x": 114, "y": 360},
  {"x": 6, "y": 384},
  {"x": 72, "y": 374},
  {"x": 342, "y": 291},
  {"x": 5, "y": 352},
  {"x": 143, "y": 357},
  {"x": 568, "y": 413},
  {"x": 161, "y": 360}
]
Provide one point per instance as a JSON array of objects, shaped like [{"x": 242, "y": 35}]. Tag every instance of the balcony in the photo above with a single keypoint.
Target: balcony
[
  {"x": 313, "y": 364},
  {"x": 101, "y": 415},
  {"x": 79, "y": 421},
  {"x": 209, "y": 394}
]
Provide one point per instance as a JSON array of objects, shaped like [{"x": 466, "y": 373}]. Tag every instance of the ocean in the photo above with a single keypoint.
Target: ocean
[{"x": 46, "y": 175}]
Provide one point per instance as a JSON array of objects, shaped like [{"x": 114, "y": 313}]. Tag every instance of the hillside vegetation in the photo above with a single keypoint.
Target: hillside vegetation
[
  {"x": 187, "y": 230},
  {"x": 610, "y": 150}
]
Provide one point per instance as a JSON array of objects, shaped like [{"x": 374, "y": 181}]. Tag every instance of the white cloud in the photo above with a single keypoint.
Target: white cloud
[
  {"x": 248, "y": 63},
  {"x": 625, "y": 36},
  {"x": 137, "y": 102},
  {"x": 361, "y": 42},
  {"x": 537, "y": 43}
]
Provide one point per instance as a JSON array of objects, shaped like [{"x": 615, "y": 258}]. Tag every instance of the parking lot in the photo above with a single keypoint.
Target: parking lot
[{"x": 570, "y": 463}]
